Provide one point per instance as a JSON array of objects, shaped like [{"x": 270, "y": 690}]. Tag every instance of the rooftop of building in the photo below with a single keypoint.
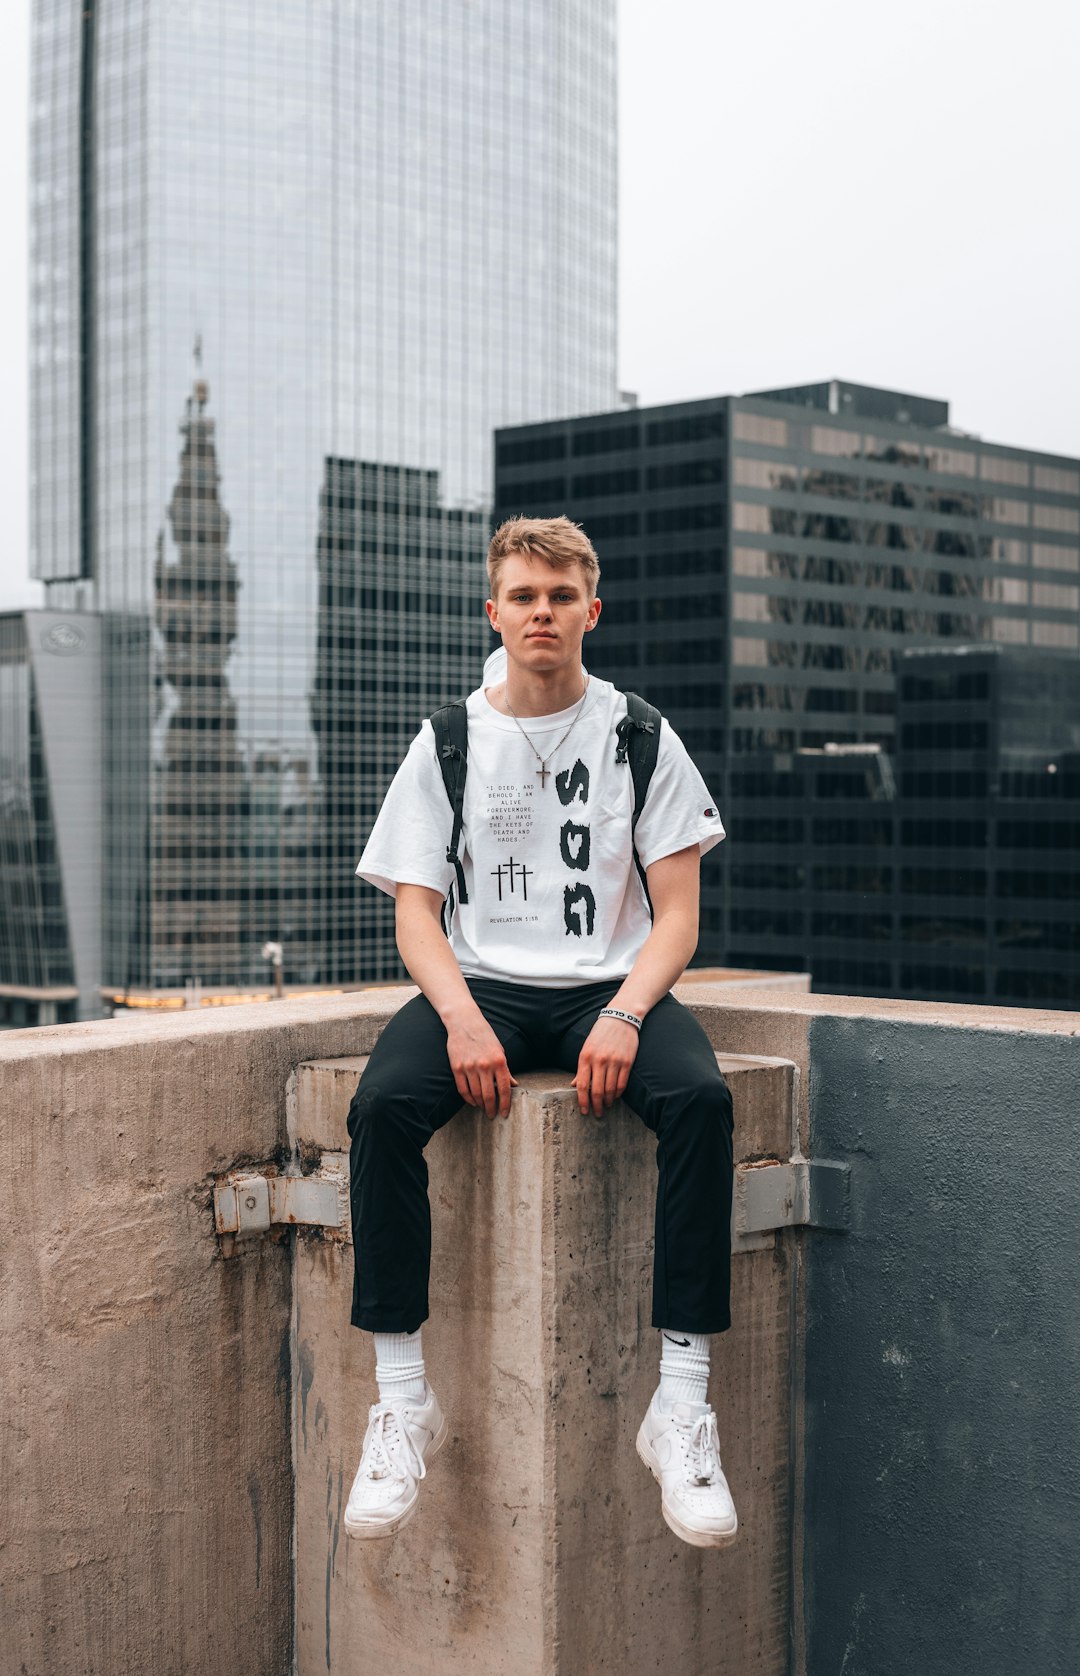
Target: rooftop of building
[
  {"x": 861, "y": 401},
  {"x": 187, "y": 1413},
  {"x": 833, "y": 399}
]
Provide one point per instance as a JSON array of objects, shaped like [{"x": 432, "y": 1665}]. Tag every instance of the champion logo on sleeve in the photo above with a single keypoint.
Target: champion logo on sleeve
[{"x": 712, "y": 811}]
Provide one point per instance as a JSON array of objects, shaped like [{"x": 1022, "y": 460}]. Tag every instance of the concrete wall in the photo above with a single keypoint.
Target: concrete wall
[
  {"x": 146, "y": 1498},
  {"x": 938, "y": 1458},
  {"x": 943, "y": 1355},
  {"x": 925, "y": 1501}
]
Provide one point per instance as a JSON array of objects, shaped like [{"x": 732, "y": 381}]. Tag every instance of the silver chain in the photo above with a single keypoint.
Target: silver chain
[{"x": 544, "y": 771}]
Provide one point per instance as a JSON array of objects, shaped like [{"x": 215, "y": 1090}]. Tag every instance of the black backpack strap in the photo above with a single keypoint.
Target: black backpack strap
[
  {"x": 452, "y": 749},
  {"x": 639, "y": 744}
]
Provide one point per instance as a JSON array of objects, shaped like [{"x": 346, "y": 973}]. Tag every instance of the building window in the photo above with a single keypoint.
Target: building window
[
  {"x": 824, "y": 439},
  {"x": 685, "y": 474},
  {"x": 532, "y": 450},
  {"x": 532, "y": 494},
  {"x": 614, "y": 439},
  {"x": 1063, "y": 518},
  {"x": 693, "y": 427},
  {"x": 754, "y": 427},
  {"x": 994, "y": 468},
  {"x": 951, "y": 462},
  {"x": 607, "y": 483},
  {"x": 1058, "y": 480}
]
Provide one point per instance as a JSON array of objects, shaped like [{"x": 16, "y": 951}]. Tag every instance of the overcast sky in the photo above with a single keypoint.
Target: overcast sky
[{"x": 849, "y": 189}]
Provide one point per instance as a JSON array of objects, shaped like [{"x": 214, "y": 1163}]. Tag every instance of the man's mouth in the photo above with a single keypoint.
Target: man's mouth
[{"x": 541, "y": 635}]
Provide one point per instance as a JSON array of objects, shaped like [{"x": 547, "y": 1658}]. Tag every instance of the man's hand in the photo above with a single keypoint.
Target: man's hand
[
  {"x": 604, "y": 1065},
  {"x": 479, "y": 1065}
]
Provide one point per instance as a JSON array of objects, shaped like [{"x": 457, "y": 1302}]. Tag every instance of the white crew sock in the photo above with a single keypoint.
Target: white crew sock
[
  {"x": 399, "y": 1366},
  {"x": 684, "y": 1368}
]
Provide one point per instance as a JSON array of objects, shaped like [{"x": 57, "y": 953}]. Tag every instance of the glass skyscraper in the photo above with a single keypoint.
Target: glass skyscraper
[{"x": 291, "y": 265}]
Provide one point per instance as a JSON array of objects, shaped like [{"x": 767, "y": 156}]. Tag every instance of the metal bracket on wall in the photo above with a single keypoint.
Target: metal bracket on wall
[
  {"x": 253, "y": 1200},
  {"x": 799, "y": 1194}
]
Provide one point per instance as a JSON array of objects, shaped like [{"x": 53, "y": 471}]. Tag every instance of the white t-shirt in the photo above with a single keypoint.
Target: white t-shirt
[{"x": 554, "y": 898}]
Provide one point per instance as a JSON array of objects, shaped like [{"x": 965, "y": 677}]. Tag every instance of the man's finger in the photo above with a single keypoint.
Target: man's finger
[{"x": 502, "y": 1088}]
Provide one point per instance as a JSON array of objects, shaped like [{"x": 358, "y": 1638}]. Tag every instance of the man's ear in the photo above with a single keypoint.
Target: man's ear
[
  {"x": 594, "y": 614},
  {"x": 493, "y": 614}
]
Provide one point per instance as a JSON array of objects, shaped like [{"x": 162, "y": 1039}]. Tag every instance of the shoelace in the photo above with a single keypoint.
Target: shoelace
[
  {"x": 389, "y": 1448},
  {"x": 704, "y": 1450}
]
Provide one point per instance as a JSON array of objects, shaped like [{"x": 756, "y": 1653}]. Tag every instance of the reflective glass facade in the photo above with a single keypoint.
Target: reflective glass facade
[
  {"x": 50, "y": 828},
  {"x": 34, "y": 944},
  {"x": 766, "y": 561},
  {"x": 277, "y": 249}
]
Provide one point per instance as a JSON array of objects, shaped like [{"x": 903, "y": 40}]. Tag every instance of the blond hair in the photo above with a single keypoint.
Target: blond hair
[{"x": 555, "y": 540}]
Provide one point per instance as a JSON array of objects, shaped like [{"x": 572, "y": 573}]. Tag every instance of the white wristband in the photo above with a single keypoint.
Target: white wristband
[{"x": 616, "y": 1012}]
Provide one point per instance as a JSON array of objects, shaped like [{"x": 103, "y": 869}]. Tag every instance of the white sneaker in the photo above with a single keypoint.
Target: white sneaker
[
  {"x": 682, "y": 1452},
  {"x": 401, "y": 1437}
]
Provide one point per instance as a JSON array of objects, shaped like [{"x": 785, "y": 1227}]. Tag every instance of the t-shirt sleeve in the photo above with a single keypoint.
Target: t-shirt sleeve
[
  {"x": 408, "y": 842},
  {"x": 679, "y": 810}
]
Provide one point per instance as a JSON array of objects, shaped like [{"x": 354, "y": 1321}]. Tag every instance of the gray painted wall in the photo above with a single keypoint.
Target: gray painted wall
[{"x": 943, "y": 1355}]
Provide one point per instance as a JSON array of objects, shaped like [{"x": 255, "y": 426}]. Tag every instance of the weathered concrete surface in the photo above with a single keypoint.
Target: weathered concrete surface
[
  {"x": 760, "y": 1021},
  {"x": 943, "y": 1357},
  {"x": 145, "y": 1481},
  {"x": 913, "y": 1093},
  {"x": 145, "y": 1478},
  {"x": 539, "y": 1545}
]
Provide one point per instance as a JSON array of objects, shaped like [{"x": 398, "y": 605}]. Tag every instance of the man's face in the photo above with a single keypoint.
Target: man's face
[{"x": 543, "y": 613}]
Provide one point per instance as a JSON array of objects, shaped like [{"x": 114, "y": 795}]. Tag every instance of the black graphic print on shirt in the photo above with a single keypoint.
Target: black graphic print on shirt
[
  {"x": 579, "y": 910},
  {"x": 511, "y": 811},
  {"x": 515, "y": 876},
  {"x": 573, "y": 783},
  {"x": 575, "y": 849}
]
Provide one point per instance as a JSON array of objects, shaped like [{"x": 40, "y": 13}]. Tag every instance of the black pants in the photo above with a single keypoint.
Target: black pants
[{"x": 407, "y": 1091}]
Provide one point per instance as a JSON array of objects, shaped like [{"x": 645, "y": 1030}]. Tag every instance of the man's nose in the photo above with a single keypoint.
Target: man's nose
[{"x": 542, "y": 608}]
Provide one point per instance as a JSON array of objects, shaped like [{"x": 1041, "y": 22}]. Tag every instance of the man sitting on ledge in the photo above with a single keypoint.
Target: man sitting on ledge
[{"x": 552, "y": 959}]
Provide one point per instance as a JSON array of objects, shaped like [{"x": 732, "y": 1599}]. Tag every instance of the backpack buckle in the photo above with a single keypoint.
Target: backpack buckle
[{"x": 622, "y": 731}]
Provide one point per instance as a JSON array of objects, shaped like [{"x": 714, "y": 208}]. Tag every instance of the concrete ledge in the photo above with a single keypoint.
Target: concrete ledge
[
  {"x": 146, "y": 1490},
  {"x": 539, "y": 1545}
]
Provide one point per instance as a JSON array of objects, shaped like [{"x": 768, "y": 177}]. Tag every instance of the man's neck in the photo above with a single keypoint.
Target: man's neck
[{"x": 526, "y": 693}]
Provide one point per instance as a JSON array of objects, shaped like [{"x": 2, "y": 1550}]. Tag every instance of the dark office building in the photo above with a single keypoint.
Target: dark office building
[
  {"x": 985, "y": 897},
  {"x": 766, "y": 559},
  {"x": 400, "y": 630}
]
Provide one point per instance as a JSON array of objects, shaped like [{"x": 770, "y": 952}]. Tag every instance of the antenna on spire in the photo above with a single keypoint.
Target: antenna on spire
[{"x": 202, "y": 389}]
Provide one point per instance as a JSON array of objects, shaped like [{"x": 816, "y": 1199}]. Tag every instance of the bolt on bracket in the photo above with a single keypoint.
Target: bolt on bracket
[
  {"x": 251, "y": 1201},
  {"x": 799, "y": 1194}
]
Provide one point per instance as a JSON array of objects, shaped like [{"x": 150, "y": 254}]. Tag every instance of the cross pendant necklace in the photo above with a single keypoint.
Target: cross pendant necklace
[{"x": 544, "y": 773}]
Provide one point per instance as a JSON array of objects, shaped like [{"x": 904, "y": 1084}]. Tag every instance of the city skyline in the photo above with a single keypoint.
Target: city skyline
[
  {"x": 980, "y": 305},
  {"x": 337, "y": 247}
]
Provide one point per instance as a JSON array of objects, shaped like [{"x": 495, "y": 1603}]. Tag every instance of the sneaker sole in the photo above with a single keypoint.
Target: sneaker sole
[
  {"x": 696, "y": 1539},
  {"x": 390, "y": 1527}
]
